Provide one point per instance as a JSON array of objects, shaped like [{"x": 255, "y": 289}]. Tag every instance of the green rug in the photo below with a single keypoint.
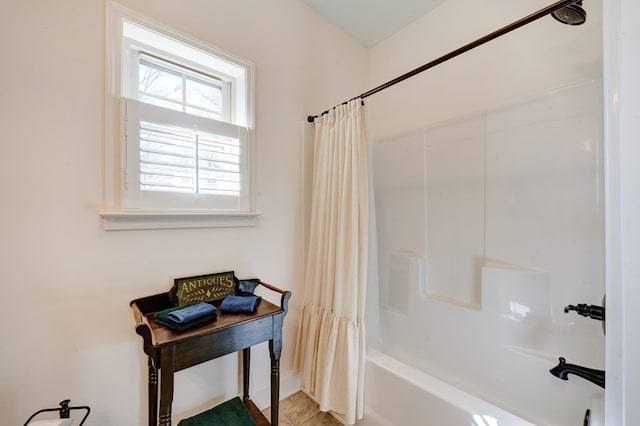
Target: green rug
[{"x": 230, "y": 413}]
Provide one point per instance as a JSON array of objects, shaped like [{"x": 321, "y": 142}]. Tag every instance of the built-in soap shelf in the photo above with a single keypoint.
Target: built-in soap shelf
[{"x": 515, "y": 291}]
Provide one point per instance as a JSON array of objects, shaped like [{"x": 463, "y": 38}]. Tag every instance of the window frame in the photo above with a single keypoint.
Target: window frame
[{"x": 115, "y": 214}]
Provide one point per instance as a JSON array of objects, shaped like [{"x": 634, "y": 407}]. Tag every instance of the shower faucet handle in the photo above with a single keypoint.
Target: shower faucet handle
[{"x": 589, "y": 311}]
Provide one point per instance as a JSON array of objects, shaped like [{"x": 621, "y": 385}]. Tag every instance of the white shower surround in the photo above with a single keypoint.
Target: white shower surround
[{"x": 488, "y": 319}]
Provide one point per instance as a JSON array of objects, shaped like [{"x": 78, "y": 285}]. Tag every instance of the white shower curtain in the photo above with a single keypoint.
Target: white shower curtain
[{"x": 330, "y": 352}]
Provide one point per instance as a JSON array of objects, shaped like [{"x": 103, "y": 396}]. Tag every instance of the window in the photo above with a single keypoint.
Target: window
[
  {"x": 180, "y": 125},
  {"x": 171, "y": 86}
]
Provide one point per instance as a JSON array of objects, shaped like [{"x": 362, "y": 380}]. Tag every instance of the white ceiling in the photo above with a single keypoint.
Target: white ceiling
[{"x": 371, "y": 21}]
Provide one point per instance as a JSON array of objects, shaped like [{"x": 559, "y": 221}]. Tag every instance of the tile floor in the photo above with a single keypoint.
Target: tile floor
[{"x": 300, "y": 410}]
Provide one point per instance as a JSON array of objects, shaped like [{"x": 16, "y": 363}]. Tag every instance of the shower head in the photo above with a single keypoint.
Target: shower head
[{"x": 573, "y": 14}]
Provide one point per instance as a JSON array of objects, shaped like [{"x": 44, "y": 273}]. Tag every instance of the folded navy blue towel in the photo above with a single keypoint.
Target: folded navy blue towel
[
  {"x": 187, "y": 325},
  {"x": 162, "y": 318},
  {"x": 240, "y": 304},
  {"x": 191, "y": 313}
]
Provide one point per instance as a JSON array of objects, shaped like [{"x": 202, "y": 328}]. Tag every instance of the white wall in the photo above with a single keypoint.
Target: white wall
[
  {"x": 629, "y": 116},
  {"x": 67, "y": 330},
  {"x": 622, "y": 97}
]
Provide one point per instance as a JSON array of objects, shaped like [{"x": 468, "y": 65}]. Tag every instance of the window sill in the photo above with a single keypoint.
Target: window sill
[{"x": 127, "y": 221}]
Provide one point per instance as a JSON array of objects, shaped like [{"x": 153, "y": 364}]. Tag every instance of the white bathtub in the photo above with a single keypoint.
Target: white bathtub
[{"x": 399, "y": 395}]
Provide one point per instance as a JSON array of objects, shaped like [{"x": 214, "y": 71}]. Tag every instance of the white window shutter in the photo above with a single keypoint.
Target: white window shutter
[{"x": 178, "y": 161}]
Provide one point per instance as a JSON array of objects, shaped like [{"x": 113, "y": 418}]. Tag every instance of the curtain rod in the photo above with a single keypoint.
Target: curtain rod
[{"x": 482, "y": 40}]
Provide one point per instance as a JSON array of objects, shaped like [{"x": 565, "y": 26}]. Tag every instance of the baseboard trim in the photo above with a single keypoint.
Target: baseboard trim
[{"x": 289, "y": 384}]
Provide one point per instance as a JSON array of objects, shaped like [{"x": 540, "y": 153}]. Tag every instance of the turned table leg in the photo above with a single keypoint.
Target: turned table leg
[
  {"x": 246, "y": 366},
  {"x": 166, "y": 385},
  {"x": 275, "y": 390},
  {"x": 275, "y": 348},
  {"x": 153, "y": 392}
]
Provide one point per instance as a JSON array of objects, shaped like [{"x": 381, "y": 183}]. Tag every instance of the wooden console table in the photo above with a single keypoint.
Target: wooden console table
[{"x": 169, "y": 351}]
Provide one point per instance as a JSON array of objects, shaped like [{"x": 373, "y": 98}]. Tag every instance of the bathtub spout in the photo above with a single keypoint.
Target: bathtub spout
[{"x": 563, "y": 369}]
